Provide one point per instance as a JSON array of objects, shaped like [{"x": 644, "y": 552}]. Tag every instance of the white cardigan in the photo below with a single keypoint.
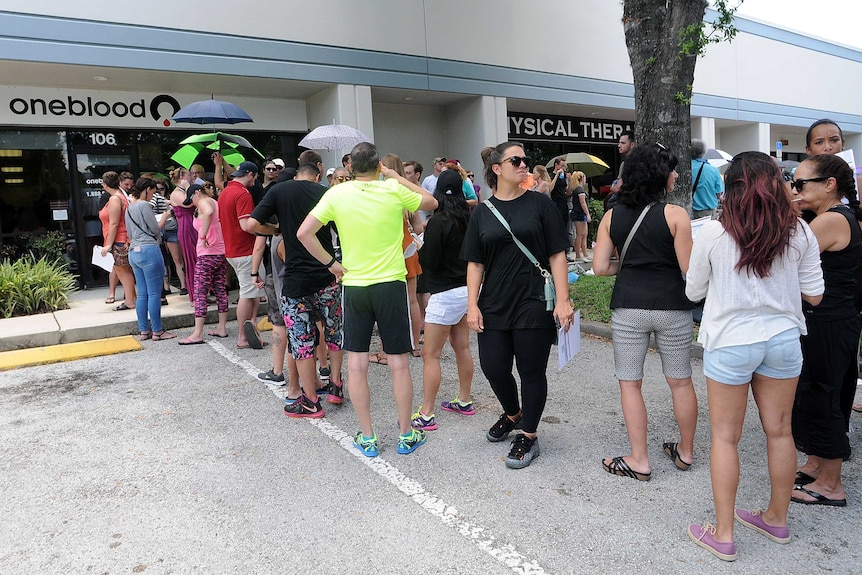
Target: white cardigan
[{"x": 740, "y": 308}]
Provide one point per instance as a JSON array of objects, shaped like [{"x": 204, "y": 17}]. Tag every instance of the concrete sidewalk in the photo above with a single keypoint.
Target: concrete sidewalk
[{"x": 89, "y": 318}]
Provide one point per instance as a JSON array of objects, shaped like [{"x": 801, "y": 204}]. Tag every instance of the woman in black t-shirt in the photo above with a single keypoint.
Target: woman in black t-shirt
[{"x": 510, "y": 313}]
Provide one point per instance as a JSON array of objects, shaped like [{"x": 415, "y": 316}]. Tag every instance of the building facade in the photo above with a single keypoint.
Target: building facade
[{"x": 421, "y": 78}]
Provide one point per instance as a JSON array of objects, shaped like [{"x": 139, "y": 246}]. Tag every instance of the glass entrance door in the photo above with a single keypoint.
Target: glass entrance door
[{"x": 89, "y": 165}]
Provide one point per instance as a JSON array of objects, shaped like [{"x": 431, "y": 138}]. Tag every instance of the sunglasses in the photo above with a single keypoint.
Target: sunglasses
[
  {"x": 271, "y": 169},
  {"x": 798, "y": 184},
  {"x": 439, "y": 160},
  {"x": 161, "y": 188},
  {"x": 518, "y": 160},
  {"x": 342, "y": 178}
]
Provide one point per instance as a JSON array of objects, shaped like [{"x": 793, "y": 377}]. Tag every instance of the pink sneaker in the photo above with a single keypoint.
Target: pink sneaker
[
  {"x": 754, "y": 520},
  {"x": 704, "y": 535}
]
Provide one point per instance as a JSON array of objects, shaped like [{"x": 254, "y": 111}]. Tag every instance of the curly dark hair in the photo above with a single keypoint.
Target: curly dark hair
[{"x": 645, "y": 174}]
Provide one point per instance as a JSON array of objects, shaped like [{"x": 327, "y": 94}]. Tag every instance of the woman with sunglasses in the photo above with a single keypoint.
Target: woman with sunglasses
[
  {"x": 826, "y": 137},
  {"x": 654, "y": 240},
  {"x": 751, "y": 266},
  {"x": 510, "y": 311},
  {"x": 821, "y": 413}
]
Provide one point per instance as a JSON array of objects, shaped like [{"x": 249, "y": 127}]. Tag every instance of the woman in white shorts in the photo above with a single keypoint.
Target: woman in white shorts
[
  {"x": 750, "y": 332},
  {"x": 445, "y": 315}
]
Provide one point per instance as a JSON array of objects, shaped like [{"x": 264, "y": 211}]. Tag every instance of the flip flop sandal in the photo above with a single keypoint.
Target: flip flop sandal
[
  {"x": 122, "y": 307},
  {"x": 818, "y": 499},
  {"x": 187, "y": 342},
  {"x": 251, "y": 335},
  {"x": 160, "y": 335},
  {"x": 618, "y": 466},
  {"x": 803, "y": 478},
  {"x": 145, "y": 335},
  {"x": 110, "y": 300},
  {"x": 672, "y": 451},
  {"x": 216, "y": 334},
  {"x": 376, "y": 358}
]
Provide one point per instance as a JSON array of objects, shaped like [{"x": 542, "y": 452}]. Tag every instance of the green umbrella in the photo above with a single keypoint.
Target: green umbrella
[{"x": 226, "y": 144}]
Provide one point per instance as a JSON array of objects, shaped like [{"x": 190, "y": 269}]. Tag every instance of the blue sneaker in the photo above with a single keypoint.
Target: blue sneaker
[
  {"x": 367, "y": 446},
  {"x": 407, "y": 443}
]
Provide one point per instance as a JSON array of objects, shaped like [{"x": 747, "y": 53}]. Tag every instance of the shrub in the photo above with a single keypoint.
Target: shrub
[
  {"x": 592, "y": 295},
  {"x": 29, "y": 286},
  {"x": 597, "y": 211}
]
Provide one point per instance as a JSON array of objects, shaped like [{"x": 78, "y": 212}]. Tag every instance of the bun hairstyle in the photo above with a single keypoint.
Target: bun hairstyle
[
  {"x": 492, "y": 156},
  {"x": 140, "y": 186},
  {"x": 831, "y": 166}
]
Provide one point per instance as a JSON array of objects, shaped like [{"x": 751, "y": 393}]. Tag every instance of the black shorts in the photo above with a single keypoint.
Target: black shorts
[{"x": 384, "y": 303}]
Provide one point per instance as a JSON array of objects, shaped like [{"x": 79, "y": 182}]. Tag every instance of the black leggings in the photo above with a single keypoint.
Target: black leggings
[{"x": 530, "y": 348}]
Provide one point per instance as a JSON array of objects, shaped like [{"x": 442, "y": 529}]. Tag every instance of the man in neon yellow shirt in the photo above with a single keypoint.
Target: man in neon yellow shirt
[{"x": 369, "y": 215}]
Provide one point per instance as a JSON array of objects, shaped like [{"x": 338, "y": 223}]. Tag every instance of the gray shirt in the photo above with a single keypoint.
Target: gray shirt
[{"x": 141, "y": 224}]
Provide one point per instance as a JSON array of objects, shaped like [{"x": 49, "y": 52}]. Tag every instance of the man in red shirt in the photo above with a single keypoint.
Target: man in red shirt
[{"x": 235, "y": 206}]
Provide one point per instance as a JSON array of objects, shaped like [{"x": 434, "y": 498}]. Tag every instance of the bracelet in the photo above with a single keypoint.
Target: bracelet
[
  {"x": 254, "y": 274},
  {"x": 332, "y": 261}
]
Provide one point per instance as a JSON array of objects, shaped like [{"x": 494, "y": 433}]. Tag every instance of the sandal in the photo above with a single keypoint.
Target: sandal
[
  {"x": 160, "y": 335},
  {"x": 672, "y": 451},
  {"x": 378, "y": 359},
  {"x": 417, "y": 353},
  {"x": 110, "y": 300},
  {"x": 145, "y": 335},
  {"x": 618, "y": 466},
  {"x": 122, "y": 307}
]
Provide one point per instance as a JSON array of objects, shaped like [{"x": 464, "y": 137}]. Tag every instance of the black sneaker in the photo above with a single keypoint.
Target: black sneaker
[
  {"x": 336, "y": 393},
  {"x": 271, "y": 377},
  {"x": 324, "y": 372},
  {"x": 184, "y": 291},
  {"x": 304, "y": 407},
  {"x": 500, "y": 430},
  {"x": 524, "y": 451}
]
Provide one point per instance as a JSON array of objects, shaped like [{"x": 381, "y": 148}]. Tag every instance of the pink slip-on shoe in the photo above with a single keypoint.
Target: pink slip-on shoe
[
  {"x": 754, "y": 520},
  {"x": 704, "y": 535}
]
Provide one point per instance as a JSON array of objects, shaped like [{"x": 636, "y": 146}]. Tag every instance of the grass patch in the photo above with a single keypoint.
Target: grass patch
[{"x": 592, "y": 295}]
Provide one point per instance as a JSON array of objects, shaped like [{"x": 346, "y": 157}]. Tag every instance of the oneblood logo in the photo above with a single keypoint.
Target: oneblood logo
[{"x": 90, "y": 107}]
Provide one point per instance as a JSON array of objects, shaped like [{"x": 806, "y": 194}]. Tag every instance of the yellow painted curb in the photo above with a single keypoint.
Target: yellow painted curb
[{"x": 67, "y": 352}]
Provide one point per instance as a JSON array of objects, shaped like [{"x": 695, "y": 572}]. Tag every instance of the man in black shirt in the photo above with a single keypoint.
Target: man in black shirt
[{"x": 310, "y": 292}]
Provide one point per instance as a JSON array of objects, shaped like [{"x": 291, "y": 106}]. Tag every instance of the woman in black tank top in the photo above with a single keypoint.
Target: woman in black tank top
[
  {"x": 828, "y": 381},
  {"x": 649, "y": 297}
]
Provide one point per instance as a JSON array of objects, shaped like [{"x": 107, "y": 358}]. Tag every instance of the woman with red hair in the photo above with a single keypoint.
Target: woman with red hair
[{"x": 753, "y": 263}]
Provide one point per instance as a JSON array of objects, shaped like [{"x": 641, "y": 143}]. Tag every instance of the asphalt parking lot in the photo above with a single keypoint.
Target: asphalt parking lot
[{"x": 176, "y": 460}]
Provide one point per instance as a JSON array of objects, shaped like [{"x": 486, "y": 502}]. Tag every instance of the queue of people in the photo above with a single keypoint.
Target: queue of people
[{"x": 777, "y": 268}]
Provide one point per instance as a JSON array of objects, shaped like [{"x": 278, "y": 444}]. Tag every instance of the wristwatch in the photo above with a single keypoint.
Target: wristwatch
[{"x": 254, "y": 274}]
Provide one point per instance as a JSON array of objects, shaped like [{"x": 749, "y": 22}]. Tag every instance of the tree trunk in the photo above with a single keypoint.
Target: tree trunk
[{"x": 663, "y": 76}]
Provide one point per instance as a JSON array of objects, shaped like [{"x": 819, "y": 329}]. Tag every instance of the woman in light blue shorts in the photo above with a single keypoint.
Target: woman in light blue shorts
[{"x": 750, "y": 332}]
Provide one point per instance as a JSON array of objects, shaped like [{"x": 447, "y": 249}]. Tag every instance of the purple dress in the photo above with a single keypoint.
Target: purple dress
[{"x": 188, "y": 243}]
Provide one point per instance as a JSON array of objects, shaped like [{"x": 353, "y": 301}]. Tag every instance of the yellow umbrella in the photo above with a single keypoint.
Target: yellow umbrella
[{"x": 582, "y": 162}]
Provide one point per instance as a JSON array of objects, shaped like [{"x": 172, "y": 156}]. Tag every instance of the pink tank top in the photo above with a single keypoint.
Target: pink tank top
[{"x": 214, "y": 236}]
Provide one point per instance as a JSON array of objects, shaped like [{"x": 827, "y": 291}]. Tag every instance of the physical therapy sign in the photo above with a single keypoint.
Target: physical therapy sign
[{"x": 542, "y": 127}]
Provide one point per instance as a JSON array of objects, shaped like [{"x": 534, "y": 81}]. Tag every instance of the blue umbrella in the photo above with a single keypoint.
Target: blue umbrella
[{"x": 212, "y": 112}]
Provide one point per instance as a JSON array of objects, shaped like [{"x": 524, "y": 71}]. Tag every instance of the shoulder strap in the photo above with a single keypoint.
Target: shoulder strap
[
  {"x": 140, "y": 227},
  {"x": 518, "y": 243},
  {"x": 697, "y": 179},
  {"x": 632, "y": 233}
]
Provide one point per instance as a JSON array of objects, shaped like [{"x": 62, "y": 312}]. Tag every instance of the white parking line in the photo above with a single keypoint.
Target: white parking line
[{"x": 480, "y": 536}]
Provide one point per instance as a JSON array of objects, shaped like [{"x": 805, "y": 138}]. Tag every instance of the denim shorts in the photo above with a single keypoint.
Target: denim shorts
[{"x": 778, "y": 358}]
